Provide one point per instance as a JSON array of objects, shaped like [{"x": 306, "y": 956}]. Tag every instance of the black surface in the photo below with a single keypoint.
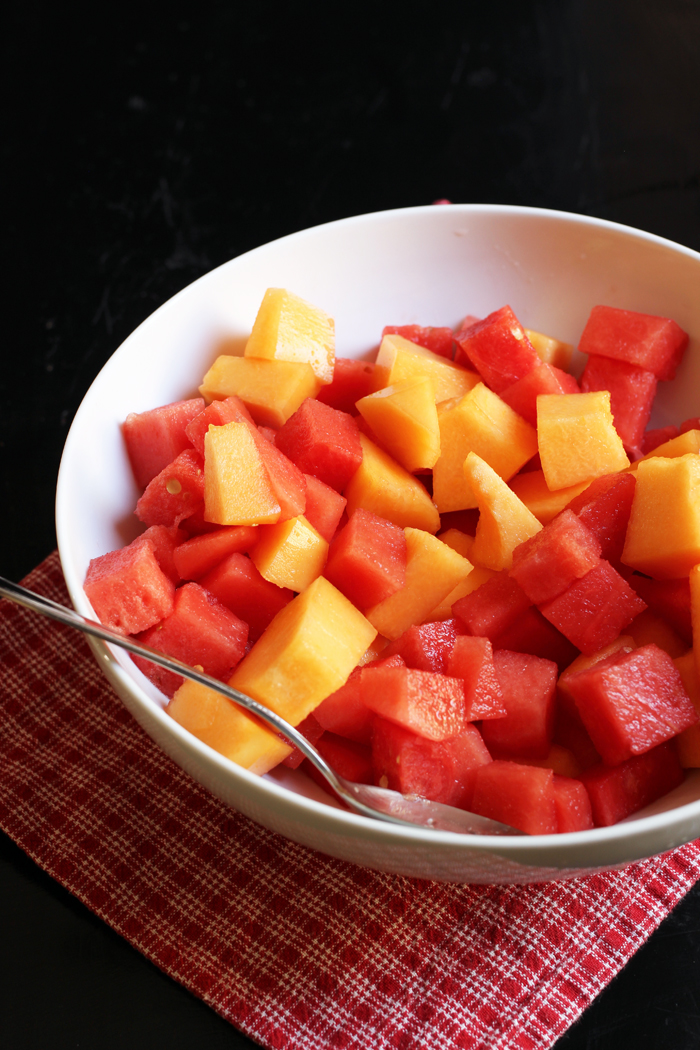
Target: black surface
[{"x": 144, "y": 145}]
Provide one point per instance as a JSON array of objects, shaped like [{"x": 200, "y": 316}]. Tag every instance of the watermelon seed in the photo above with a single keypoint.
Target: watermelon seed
[{"x": 173, "y": 486}]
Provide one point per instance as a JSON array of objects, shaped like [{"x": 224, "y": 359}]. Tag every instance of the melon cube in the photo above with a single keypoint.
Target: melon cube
[
  {"x": 632, "y": 392},
  {"x": 288, "y": 328},
  {"x": 531, "y": 487},
  {"x": 439, "y": 340},
  {"x": 404, "y": 419},
  {"x": 272, "y": 391},
  {"x": 577, "y": 438},
  {"x": 290, "y": 554},
  {"x": 237, "y": 486},
  {"x": 399, "y": 360},
  {"x": 504, "y": 520},
  {"x": 543, "y": 379},
  {"x": 552, "y": 351},
  {"x": 383, "y": 487},
  {"x": 663, "y": 535}
]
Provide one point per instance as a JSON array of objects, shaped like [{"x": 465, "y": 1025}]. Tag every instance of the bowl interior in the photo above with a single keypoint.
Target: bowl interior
[{"x": 428, "y": 265}]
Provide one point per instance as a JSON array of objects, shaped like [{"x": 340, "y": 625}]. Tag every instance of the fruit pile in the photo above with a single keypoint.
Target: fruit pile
[{"x": 460, "y": 572}]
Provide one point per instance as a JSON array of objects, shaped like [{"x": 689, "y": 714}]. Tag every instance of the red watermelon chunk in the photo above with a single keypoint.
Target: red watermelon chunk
[
  {"x": 324, "y": 507},
  {"x": 367, "y": 559},
  {"x": 471, "y": 660},
  {"x": 532, "y": 634},
  {"x": 572, "y": 804},
  {"x": 550, "y": 561},
  {"x": 499, "y": 349},
  {"x": 493, "y": 607},
  {"x": 654, "y": 343},
  {"x": 593, "y": 610},
  {"x": 528, "y": 686},
  {"x": 651, "y": 439},
  {"x": 632, "y": 391},
  {"x": 427, "y": 647},
  {"x": 313, "y": 732},
  {"x": 442, "y": 771},
  {"x": 201, "y": 554},
  {"x": 346, "y": 757},
  {"x": 669, "y": 599},
  {"x": 200, "y": 632},
  {"x": 128, "y": 589},
  {"x": 570, "y": 732},
  {"x": 155, "y": 438},
  {"x": 439, "y": 340},
  {"x": 352, "y": 380},
  {"x": 521, "y": 796},
  {"x": 217, "y": 414},
  {"x": 323, "y": 442},
  {"x": 689, "y": 424},
  {"x": 238, "y": 585},
  {"x": 542, "y": 379},
  {"x": 175, "y": 493},
  {"x": 631, "y": 702},
  {"x": 164, "y": 542},
  {"x": 344, "y": 713},
  {"x": 431, "y": 705},
  {"x": 617, "y": 792},
  {"x": 604, "y": 507}
]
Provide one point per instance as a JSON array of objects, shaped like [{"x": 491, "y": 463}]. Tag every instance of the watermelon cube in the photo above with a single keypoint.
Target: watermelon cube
[
  {"x": 427, "y": 647},
  {"x": 669, "y": 599},
  {"x": 532, "y": 634},
  {"x": 217, "y": 414},
  {"x": 175, "y": 493},
  {"x": 344, "y": 713},
  {"x": 572, "y": 804},
  {"x": 164, "y": 542},
  {"x": 549, "y": 562},
  {"x": 128, "y": 589},
  {"x": 604, "y": 508},
  {"x": 200, "y": 632},
  {"x": 155, "y": 438},
  {"x": 201, "y": 554},
  {"x": 632, "y": 391},
  {"x": 492, "y": 607},
  {"x": 593, "y": 610},
  {"x": 442, "y": 771},
  {"x": 471, "y": 660},
  {"x": 499, "y": 349},
  {"x": 313, "y": 732},
  {"x": 324, "y": 507},
  {"x": 631, "y": 702},
  {"x": 367, "y": 559},
  {"x": 518, "y": 795},
  {"x": 431, "y": 705},
  {"x": 528, "y": 686},
  {"x": 323, "y": 442},
  {"x": 238, "y": 585},
  {"x": 654, "y": 343},
  {"x": 542, "y": 379},
  {"x": 651, "y": 439},
  {"x": 617, "y": 792},
  {"x": 346, "y": 757},
  {"x": 439, "y": 340},
  {"x": 352, "y": 380}
]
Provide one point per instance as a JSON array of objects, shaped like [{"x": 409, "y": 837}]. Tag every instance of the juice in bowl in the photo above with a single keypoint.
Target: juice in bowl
[{"x": 417, "y": 266}]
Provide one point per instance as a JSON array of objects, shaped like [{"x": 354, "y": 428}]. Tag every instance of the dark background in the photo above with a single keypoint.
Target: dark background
[{"x": 144, "y": 145}]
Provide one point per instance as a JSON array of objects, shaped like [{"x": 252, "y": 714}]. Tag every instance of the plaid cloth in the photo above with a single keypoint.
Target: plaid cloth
[{"x": 296, "y": 949}]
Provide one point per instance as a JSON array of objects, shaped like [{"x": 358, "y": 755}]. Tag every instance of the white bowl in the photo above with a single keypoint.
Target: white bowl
[{"x": 429, "y": 265}]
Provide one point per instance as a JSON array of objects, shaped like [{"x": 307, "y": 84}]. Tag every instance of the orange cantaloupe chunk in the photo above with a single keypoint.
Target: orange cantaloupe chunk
[
  {"x": 663, "y": 534},
  {"x": 288, "y": 328},
  {"x": 577, "y": 438},
  {"x": 688, "y": 742},
  {"x": 227, "y": 728},
  {"x": 532, "y": 489},
  {"x": 290, "y": 554},
  {"x": 272, "y": 391},
  {"x": 306, "y": 653},
  {"x": 464, "y": 545},
  {"x": 237, "y": 489},
  {"x": 504, "y": 520},
  {"x": 694, "y": 582},
  {"x": 648, "y": 628},
  {"x": 483, "y": 423},
  {"x": 432, "y": 570},
  {"x": 551, "y": 351},
  {"x": 382, "y": 486},
  {"x": 683, "y": 445},
  {"x": 404, "y": 419},
  {"x": 399, "y": 360}
]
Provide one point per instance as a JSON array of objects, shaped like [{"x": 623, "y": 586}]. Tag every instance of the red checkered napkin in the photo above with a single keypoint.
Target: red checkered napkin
[{"x": 294, "y": 948}]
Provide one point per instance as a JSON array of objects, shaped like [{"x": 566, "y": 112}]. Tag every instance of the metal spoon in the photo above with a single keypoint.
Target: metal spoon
[{"x": 380, "y": 803}]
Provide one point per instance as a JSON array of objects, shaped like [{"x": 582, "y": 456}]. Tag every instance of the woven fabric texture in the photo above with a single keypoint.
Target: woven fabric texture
[{"x": 296, "y": 949}]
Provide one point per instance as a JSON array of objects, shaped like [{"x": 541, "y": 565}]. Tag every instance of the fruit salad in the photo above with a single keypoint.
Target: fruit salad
[{"x": 461, "y": 572}]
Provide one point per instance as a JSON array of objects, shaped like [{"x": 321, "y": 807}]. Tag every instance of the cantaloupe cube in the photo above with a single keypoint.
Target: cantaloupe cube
[
  {"x": 306, "y": 653},
  {"x": 688, "y": 742},
  {"x": 577, "y": 438},
  {"x": 694, "y": 581},
  {"x": 463, "y": 544},
  {"x": 504, "y": 520},
  {"x": 551, "y": 351},
  {"x": 483, "y": 423},
  {"x": 683, "y": 445},
  {"x": 432, "y": 570},
  {"x": 227, "y": 728},
  {"x": 399, "y": 360},
  {"x": 381, "y": 485},
  {"x": 663, "y": 534},
  {"x": 648, "y": 628},
  {"x": 272, "y": 391},
  {"x": 404, "y": 418},
  {"x": 237, "y": 488},
  {"x": 290, "y": 554},
  {"x": 288, "y": 328},
  {"x": 532, "y": 489}
]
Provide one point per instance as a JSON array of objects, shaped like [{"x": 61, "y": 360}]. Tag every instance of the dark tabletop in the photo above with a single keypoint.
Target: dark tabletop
[{"x": 144, "y": 145}]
